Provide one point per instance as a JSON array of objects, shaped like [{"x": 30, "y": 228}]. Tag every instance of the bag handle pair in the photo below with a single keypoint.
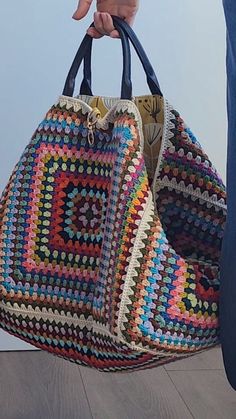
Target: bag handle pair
[{"x": 84, "y": 54}]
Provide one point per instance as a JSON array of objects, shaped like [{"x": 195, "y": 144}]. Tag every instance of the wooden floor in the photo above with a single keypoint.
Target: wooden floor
[{"x": 38, "y": 385}]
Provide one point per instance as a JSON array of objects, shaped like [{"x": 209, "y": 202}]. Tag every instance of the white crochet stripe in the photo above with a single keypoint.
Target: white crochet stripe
[
  {"x": 167, "y": 135},
  {"x": 74, "y": 320},
  {"x": 195, "y": 194},
  {"x": 134, "y": 263},
  {"x": 75, "y": 104},
  {"x": 64, "y": 318}
]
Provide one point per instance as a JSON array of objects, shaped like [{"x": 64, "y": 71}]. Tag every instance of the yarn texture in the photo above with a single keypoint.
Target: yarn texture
[{"x": 111, "y": 227}]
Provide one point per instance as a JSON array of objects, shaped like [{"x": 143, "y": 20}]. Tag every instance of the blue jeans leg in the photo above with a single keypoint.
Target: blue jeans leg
[{"x": 227, "y": 305}]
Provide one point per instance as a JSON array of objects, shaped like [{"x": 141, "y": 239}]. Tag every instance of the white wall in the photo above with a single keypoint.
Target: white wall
[{"x": 184, "y": 39}]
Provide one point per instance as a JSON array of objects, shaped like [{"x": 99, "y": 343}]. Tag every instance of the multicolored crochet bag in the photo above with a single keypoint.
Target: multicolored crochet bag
[{"x": 111, "y": 227}]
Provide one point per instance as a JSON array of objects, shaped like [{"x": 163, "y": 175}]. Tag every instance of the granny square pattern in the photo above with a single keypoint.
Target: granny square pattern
[{"x": 103, "y": 262}]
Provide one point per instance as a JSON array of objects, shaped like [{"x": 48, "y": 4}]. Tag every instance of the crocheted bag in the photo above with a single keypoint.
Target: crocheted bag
[{"x": 111, "y": 227}]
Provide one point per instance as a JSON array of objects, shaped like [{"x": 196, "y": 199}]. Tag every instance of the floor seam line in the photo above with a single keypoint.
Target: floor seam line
[
  {"x": 90, "y": 409},
  {"x": 180, "y": 395}
]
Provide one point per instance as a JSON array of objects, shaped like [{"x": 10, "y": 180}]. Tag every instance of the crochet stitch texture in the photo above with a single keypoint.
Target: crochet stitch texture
[{"x": 105, "y": 261}]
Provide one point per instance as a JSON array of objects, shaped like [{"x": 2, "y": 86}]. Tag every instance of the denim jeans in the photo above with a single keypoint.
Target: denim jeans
[{"x": 227, "y": 305}]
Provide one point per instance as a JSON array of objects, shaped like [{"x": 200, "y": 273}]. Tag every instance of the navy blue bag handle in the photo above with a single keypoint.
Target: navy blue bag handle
[
  {"x": 150, "y": 73},
  {"x": 152, "y": 81},
  {"x": 84, "y": 53}
]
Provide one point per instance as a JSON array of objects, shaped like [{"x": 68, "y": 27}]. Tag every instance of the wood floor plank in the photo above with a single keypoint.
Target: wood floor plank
[
  {"x": 210, "y": 359},
  {"x": 38, "y": 385},
  {"x": 207, "y": 393},
  {"x": 137, "y": 395}
]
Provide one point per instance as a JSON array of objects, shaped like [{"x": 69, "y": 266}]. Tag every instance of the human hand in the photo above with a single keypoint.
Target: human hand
[{"x": 103, "y": 24}]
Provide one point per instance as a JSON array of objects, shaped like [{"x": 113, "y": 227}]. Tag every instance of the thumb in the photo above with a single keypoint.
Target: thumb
[{"x": 82, "y": 10}]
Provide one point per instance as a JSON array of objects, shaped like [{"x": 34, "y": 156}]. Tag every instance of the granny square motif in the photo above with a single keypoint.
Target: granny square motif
[{"x": 103, "y": 261}]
